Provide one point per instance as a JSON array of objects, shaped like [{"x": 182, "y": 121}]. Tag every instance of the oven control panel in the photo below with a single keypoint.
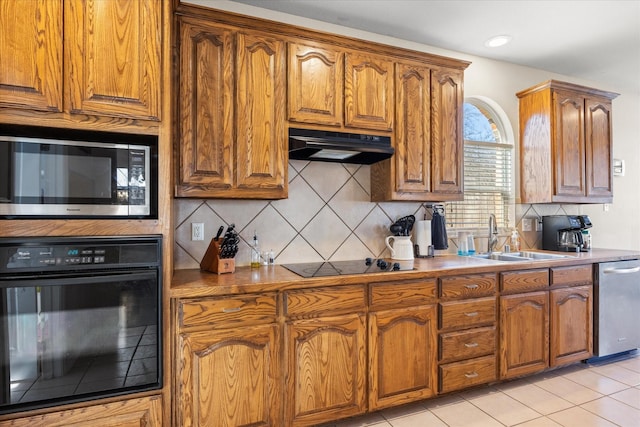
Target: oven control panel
[{"x": 61, "y": 255}]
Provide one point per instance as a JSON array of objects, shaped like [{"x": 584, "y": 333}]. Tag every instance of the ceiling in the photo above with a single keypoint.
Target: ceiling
[{"x": 593, "y": 40}]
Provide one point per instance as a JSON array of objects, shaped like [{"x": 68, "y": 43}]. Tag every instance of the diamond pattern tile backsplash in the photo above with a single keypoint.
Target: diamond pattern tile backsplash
[{"x": 328, "y": 216}]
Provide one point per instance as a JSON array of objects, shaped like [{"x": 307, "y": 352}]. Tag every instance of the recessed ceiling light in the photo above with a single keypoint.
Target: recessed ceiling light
[{"x": 497, "y": 41}]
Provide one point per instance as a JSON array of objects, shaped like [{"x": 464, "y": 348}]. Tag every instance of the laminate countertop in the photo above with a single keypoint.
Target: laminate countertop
[{"x": 196, "y": 283}]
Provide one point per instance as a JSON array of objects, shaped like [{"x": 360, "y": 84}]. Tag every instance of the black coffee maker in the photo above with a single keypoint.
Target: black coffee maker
[{"x": 564, "y": 232}]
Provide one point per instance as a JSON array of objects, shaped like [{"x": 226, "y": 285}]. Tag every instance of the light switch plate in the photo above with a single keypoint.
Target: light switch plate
[{"x": 526, "y": 224}]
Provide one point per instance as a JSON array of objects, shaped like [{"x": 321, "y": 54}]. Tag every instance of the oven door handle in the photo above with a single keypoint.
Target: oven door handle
[{"x": 76, "y": 278}]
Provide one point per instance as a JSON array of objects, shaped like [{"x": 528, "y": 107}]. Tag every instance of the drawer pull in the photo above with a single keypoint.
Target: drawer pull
[
  {"x": 471, "y": 286},
  {"x": 472, "y": 314},
  {"x": 471, "y": 344},
  {"x": 471, "y": 374},
  {"x": 231, "y": 310}
]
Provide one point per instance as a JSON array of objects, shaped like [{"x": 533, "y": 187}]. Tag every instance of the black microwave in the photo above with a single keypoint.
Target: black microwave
[{"x": 73, "y": 174}]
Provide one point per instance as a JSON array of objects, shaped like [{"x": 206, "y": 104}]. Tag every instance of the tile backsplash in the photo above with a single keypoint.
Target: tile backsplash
[{"x": 328, "y": 216}]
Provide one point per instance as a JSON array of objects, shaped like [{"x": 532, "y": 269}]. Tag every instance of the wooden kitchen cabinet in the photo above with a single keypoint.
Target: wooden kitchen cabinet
[
  {"x": 524, "y": 322},
  {"x": 227, "y": 367},
  {"x": 571, "y": 316},
  {"x": 524, "y": 333},
  {"x": 82, "y": 57},
  {"x": 231, "y": 144},
  {"x": 315, "y": 84},
  {"x": 368, "y": 92},
  {"x": 144, "y": 411},
  {"x": 428, "y": 160},
  {"x": 467, "y": 340},
  {"x": 325, "y": 353},
  {"x": 402, "y": 342},
  {"x": 565, "y": 144}
]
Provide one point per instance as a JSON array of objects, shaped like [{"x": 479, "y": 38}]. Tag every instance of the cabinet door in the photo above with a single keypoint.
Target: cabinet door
[
  {"x": 571, "y": 325},
  {"x": 325, "y": 373},
  {"x": 315, "y": 84},
  {"x": 368, "y": 92},
  {"x": 261, "y": 135},
  {"x": 228, "y": 378},
  {"x": 112, "y": 57},
  {"x": 598, "y": 147},
  {"x": 569, "y": 147},
  {"x": 413, "y": 129},
  {"x": 402, "y": 352},
  {"x": 31, "y": 52},
  {"x": 446, "y": 133},
  {"x": 205, "y": 109},
  {"x": 524, "y": 334}
]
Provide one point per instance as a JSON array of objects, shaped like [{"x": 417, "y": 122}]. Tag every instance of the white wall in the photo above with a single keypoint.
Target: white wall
[{"x": 616, "y": 228}]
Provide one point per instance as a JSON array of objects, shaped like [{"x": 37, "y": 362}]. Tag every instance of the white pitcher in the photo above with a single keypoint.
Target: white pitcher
[{"x": 402, "y": 248}]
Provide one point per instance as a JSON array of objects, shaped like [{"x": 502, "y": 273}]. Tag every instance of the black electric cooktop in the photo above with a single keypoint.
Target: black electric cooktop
[{"x": 341, "y": 268}]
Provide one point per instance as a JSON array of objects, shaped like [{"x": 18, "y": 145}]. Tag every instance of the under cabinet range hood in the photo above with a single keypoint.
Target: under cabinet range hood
[{"x": 329, "y": 146}]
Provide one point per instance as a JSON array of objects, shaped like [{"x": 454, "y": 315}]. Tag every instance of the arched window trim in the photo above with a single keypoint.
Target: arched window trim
[{"x": 470, "y": 214}]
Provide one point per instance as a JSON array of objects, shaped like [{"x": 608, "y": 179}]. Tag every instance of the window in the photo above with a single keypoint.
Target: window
[{"x": 488, "y": 168}]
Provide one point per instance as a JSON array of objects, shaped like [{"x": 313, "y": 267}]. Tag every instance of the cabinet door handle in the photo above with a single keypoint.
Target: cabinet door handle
[
  {"x": 231, "y": 310},
  {"x": 471, "y": 344},
  {"x": 471, "y": 286},
  {"x": 471, "y": 374},
  {"x": 472, "y": 314}
]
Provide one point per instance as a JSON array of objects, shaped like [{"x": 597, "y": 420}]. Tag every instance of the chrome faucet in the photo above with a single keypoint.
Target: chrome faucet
[{"x": 493, "y": 233}]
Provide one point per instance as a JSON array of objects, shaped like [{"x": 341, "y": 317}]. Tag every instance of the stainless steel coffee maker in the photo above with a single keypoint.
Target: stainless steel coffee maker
[{"x": 564, "y": 232}]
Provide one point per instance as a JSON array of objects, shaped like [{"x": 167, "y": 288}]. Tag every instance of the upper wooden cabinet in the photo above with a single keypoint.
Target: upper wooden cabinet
[
  {"x": 316, "y": 84},
  {"x": 368, "y": 92},
  {"x": 221, "y": 153},
  {"x": 565, "y": 144},
  {"x": 428, "y": 162},
  {"x": 330, "y": 86},
  {"x": 82, "y": 57}
]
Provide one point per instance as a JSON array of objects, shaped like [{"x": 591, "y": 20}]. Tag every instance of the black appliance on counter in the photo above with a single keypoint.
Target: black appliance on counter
[
  {"x": 80, "y": 319},
  {"x": 564, "y": 232}
]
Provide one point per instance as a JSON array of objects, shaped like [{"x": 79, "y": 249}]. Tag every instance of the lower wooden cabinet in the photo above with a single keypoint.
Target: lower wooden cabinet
[
  {"x": 227, "y": 362},
  {"x": 524, "y": 333},
  {"x": 144, "y": 411},
  {"x": 467, "y": 373},
  {"x": 228, "y": 377},
  {"x": 571, "y": 325},
  {"x": 402, "y": 355},
  {"x": 325, "y": 369}
]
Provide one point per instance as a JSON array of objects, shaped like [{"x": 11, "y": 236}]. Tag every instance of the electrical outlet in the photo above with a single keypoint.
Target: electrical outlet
[
  {"x": 197, "y": 231},
  {"x": 538, "y": 224},
  {"x": 526, "y": 224}
]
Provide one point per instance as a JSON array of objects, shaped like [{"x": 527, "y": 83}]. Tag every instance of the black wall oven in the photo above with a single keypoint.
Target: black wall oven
[{"x": 80, "y": 319}]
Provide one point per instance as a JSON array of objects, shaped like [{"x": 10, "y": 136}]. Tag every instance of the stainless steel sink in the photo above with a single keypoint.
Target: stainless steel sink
[{"x": 520, "y": 256}]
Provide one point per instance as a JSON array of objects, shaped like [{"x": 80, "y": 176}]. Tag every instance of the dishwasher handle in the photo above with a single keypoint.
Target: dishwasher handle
[{"x": 622, "y": 270}]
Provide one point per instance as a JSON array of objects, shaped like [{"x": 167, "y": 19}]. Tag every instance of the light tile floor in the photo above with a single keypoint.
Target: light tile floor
[{"x": 580, "y": 395}]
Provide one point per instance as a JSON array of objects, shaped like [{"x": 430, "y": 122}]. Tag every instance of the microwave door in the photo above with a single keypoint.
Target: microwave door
[{"x": 5, "y": 172}]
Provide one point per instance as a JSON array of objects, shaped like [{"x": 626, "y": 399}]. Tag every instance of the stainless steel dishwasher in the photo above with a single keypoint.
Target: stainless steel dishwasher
[{"x": 616, "y": 307}]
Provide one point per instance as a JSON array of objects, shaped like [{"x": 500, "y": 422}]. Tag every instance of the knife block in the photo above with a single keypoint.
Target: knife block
[{"x": 213, "y": 263}]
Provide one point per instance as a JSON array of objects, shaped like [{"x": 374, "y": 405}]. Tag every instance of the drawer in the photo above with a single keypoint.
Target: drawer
[
  {"x": 324, "y": 301},
  {"x": 402, "y": 294},
  {"x": 524, "y": 281},
  {"x": 228, "y": 312},
  {"x": 575, "y": 275},
  {"x": 468, "y": 313},
  {"x": 467, "y": 344},
  {"x": 471, "y": 286},
  {"x": 459, "y": 375}
]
